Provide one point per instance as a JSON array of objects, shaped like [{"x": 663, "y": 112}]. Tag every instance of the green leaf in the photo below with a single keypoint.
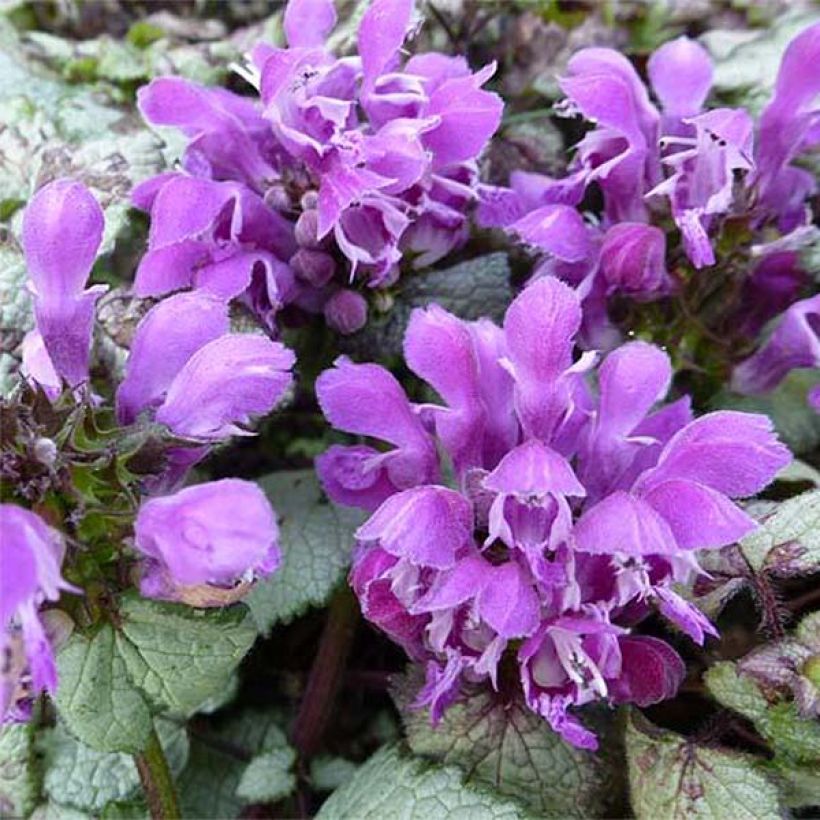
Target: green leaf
[
  {"x": 391, "y": 784},
  {"x": 787, "y": 406},
  {"x": 788, "y": 541},
  {"x": 735, "y": 691},
  {"x": 86, "y": 779},
  {"x": 799, "y": 785},
  {"x": 316, "y": 539},
  {"x": 181, "y": 656},
  {"x": 328, "y": 772},
  {"x": 511, "y": 750},
  {"x": 16, "y": 316},
  {"x": 58, "y": 811},
  {"x": 220, "y": 751},
  {"x": 98, "y": 702},
  {"x": 19, "y": 772},
  {"x": 671, "y": 777},
  {"x": 268, "y": 777},
  {"x": 473, "y": 289}
]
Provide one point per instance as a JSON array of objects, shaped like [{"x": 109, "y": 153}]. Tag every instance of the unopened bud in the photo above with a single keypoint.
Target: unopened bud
[
  {"x": 346, "y": 311},
  {"x": 314, "y": 267},
  {"x": 307, "y": 229}
]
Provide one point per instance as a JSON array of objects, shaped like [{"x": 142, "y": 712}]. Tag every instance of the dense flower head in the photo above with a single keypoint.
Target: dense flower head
[
  {"x": 31, "y": 554},
  {"x": 342, "y": 166},
  {"x": 576, "y": 502},
  {"x": 703, "y": 167}
]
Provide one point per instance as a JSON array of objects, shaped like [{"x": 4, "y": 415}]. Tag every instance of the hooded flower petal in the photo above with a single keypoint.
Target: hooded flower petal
[
  {"x": 62, "y": 231},
  {"x": 215, "y": 533},
  {"x": 425, "y": 525},
  {"x": 367, "y": 400},
  {"x": 223, "y": 384},
  {"x": 633, "y": 260},
  {"x": 166, "y": 338},
  {"x": 540, "y": 327},
  {"x": 307, "y": 23},
  {"x": 736, "y": 454},
  {"x": 439, "y": 348},
  {"x": 681, "y": 75},
  {"x": 652, "y": 671},
  {"x": 794, "y": 343},
  {"x": 381, "y": 33},
  {"x": 788, "y": 124}
]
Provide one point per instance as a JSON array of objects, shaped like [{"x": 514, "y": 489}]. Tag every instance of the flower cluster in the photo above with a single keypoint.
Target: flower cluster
[
  {"x": 575, "y": 508},
  {"x": 341, "y": 167},
  {"x": 186, "y": 373},
  {"x": 704, "y": 167}
]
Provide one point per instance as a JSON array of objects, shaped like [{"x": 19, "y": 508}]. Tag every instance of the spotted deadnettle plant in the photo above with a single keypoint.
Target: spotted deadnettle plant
[
  {"x": 706, "y": 168},
  {"x": 186, "y": 374},
  {"x": 577, "y": 503},
  {"x": 342, "y": 166}
]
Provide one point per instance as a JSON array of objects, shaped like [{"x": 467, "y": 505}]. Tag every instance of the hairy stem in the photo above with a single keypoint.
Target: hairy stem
[
  {"x": 326, "y": 674},
  {"x": 157, "y": 782}
]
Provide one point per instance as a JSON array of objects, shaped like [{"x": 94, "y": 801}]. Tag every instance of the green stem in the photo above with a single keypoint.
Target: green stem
[
  {"x": 157, "y": 782},
  {"x": 326, "y": 673}
]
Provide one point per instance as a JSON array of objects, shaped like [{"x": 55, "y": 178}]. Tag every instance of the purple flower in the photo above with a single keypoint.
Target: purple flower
[
  {"x": 218, "y": 237},
  {"x": 576, "y": 503},
  {"x": 702, "y": 166},
  {"x": 702, "y": 184},
  {"x": 219, "y": 533},
  {"x": 788, "y": 126},
  {"x": 197, "y": 378},
  {"x": 794, "y": 343},
  {"x": 31, "y": 553},
  {"x": 188, "y": 372},
  {"x": 166, "y": 338},
  {"x": 380, "y": 152},
  {"x": 224, "y": 384},
  {"x": 62, "y": 231}
]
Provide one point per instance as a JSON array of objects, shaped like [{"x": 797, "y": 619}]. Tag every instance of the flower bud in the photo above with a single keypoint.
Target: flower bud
[
  {"x": 276, "y": 197},
  {"x": 346, "y": 311},
  {"x": 316, "y": 268},
  {"x": 309, "y": 200},
  {"x": 306, "y": 230},
  {"x": 633, "y": 260}
]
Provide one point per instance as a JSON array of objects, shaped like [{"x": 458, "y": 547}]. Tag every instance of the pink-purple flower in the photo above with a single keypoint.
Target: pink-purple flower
[
  {"x": 31, "y": 554},
  {"x": 62, "y": 231},
  {"x": 372, "y": 156},
  {"x": 219, "y": 533},
  {"x": 577, "y": 502}
]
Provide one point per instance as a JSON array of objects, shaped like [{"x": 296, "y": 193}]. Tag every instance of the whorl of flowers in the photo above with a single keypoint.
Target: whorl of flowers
[
  {"x": 185, "y": 373},
  {"x": 705, "y": 167},
  {"x": 575, "y": 504},
  {"x": 342, "y": 166}
]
